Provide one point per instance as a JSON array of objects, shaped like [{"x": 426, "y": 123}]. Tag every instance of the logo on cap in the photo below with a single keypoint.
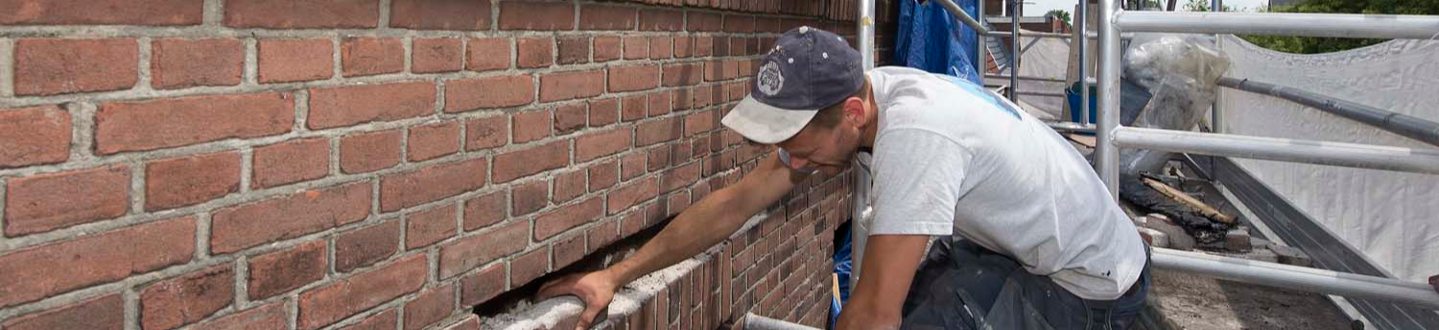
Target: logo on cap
[{"x": 770, "y": 80}]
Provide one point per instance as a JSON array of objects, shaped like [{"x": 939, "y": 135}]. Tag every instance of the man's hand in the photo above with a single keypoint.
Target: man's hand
[
  {"x": 595, "y": 289},
  {"x": 889, "y": 265}
]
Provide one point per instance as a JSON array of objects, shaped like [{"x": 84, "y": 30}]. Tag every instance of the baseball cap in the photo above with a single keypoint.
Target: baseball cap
[{"x": 808, "y": 70}]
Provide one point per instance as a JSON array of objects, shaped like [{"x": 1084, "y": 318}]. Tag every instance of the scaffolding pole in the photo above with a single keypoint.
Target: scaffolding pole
[{"x": 1289, "y": 150}]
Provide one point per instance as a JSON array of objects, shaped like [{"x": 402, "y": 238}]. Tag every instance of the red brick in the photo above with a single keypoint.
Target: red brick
[
  {"x": 107, "y": 312},
  {"x": 595, "y": 145},
  {"x": 433, "y": 55},
  {"x": 243, "y": 226},
  {"x": 284, "y": 14},
  {"x": 281, "y": 271},
  {"x": 366, "y": 246},
  {"x": 535, "y": 52},
  {"x": 568, "y": 186},
  {"x": 606, "y": 48},
  {"x": 606, "y": 17},
  {"x": 699, "y": 123},
  {"x": 485, "y": 210},
  {"x": 429, "y": 226},
  {"x": 537, "y": 16},
  {"x": 370, "y": 151},
  {"x": 573, "y": 49},
  {"x": 568, "y": 250},
  {"x": 553, "y": 222},
  {"x": 440, "y": 15},
  {"x": 482, "y": 286},
  {"x": 527, "y": 267},
  {"x": 191, "y": 180},
  {"x": 109, "y": 12},
  {"x": 704, "y": 22},
  {"x": 570, "y": 118},
  {"x": 659, "y": 157},
  {"x": 34, "y": 136},
  {"x": 739, "y": 23},
  {"x": 659, "y": 104},
  {"x": 485, "y": 54},
  {"x": 683, "y": 46},
  {"x": 385, "y": 320},
  {"x": 430, "y": 307},
  {"x": 164, "y": 123},
  {"x": 687, "y": 74},
  {"x": 431, "y": 183},
  {"x": 571, "y": 85},
  {"x": 632, "y": 194},
  {"x": 529, "y": 197},
  {"x": 516, "y": 164},
  {"x": 286, "y": 60},
  {"x": 189, "y": 298},
  {"x": 661, "y": 47},
  {"x": 484, "y": 93},
  {"x": 603, "y": 175},
  {"x": 61, "y": 66},
  {"x": 680, "y": 177},
  {"x": 325, "y": 305},
  {"x": 46, "y": 202},
  {"x": 488, "y": 132},
  {"x": 603, "y": 234},
  {"x": 652, "y": 132},
  {"x": 475, "y": 250},
  {"x": 363, "y": 56},
  {"x": 95, "y": 259},
  {"x": 352, "y": 105},
  {"x": 434, "y": 140},
  {"x": 531, "y": 125},
  {"x": 604, "y": 112},
  {"x": 290, "y": 162},
  {"x": 636, "y": 47},
  {"x": 181, "y": 63},
  {"x": 634, "y": 78},
  {"x": 703, "y": 46},
  {"x": 661, "y": 20},
  {"x": 632, "y": 165},
  {"x": 634, "y": 107}
]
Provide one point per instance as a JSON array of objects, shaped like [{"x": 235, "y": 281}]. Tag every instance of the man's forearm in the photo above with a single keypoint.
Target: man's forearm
[{"x": 700, "y": 226}]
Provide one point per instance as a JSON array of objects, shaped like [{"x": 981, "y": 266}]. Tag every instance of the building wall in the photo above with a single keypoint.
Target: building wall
[{"x": 377, "y": 163}]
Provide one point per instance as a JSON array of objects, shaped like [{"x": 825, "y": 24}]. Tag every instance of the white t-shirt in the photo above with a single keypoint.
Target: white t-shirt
[{"x": 951, "y": 158}]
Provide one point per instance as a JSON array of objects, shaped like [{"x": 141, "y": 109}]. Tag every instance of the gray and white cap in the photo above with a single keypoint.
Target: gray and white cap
[{"x": 808, "y": 70}]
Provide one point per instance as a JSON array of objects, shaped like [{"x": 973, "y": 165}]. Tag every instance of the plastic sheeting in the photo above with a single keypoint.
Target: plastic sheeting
[
  {"x": 929, "y": 38},
  {"x": 1391, "y": 217}
]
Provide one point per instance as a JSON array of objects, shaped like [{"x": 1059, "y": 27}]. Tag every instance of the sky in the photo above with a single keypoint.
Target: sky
[{"x": 1037, "y": 7}]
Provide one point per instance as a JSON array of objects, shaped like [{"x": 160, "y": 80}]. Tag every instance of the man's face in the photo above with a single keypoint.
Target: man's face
[{"x": 827, "y": 149}]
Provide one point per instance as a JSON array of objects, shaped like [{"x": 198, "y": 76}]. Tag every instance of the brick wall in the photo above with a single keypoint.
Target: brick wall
[{"x": 378, "y": 163}]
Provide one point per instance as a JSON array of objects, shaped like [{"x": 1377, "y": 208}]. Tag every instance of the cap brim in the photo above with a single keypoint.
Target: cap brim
[{"x": 766, "y": 124}]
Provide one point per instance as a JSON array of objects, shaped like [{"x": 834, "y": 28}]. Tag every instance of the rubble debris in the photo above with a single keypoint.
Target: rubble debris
[
  {"x": 1237, "y": 240},
  {"x": 1177, "y": 238},
  {"x": 1154, "y": 237},
  {"x": 1291, "y": 256},
  {"x": 1434, "y": 282},
  {"x": 1182, "y": 197},
  {"x": 1193, "y": 223}
]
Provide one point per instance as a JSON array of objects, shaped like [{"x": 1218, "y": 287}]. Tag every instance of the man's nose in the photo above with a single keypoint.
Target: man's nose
[{"x": 798, "y": 163}]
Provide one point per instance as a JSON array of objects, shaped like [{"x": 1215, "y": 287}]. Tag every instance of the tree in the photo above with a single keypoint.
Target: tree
[
  {"x": 1308, "y": 45},
  {"x": 1203, "y": 5},
  {"x": 1060, "y": 14}
]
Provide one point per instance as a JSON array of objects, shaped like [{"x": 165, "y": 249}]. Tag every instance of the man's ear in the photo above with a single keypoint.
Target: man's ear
[{"x": 854, "y": 111}]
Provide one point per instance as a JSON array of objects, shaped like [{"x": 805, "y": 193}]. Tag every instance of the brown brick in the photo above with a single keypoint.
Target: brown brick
[
  {"x": 440, "y": 15},
  {"x": 281, "y": 271},
  {"x": 683, "y": 46},
  {"x": 243, "y": 226},
  {"x": 634, "y": 78},
  {"x": 595, "y": 145},
  {"x": 485, "y": 210},
  {"x": 699, "y": 123},
  {"x": 570, "y": 118},
  {"x": 107, "y": 312},
  {"x": 661, "y": 47},
  {"x": 632, "y": 194},
  {"x": 535, "y": 52},
  {"x": 287, "y": 60},
  {"x": 429, "y": 226},
  {"x": 364, "y": 56},
  {"x": 559, "y": 220},
  {"x": 290, "y": 162},
  {"x": 636, "y": 47},
  {"x": 571, "y": 85},
  {"x": 537, "y": 16},
  {"x": 95, "y": 259},
  {"x": 633, "y": 107},
  {"x": 270, "y": 316},
  {"x": 430, "y": 307},
  {"x": 190, "y": 180},
  {"x": 652, "y": 132},
  {"x": 528, "y": 266},
  {"x": 46, "y": 202},
  {"x": 573, "y": 49},
  {"x": 516, "y": 164},
  {"x": 529, "y": 197},
  {"x": 34, "y": 136},
  {"x": 351, "y": 105},
  {"x": 704, "y": 22},
  {"x": 661, "y": 20},
  {"x": 483, "y": 285},
  {"x": 603, "y": 112},
  {"x": 531, "y": 125},
  {"x": 431, "y": 183},
  {"x": 485, "y": 54},
  {"x": 739, "y": 23},
  {"x": 61, "y": 66},
  {"x": 385, "y": 320},
  {"x": 568, "y": 186},
  {"x": 434, "y": 140},
  {"x": 108, "y": 12},
  {"x": 181, "y": 63},
  {"x": 475, "y": 250},
  {"x": 370, "y": 151},
  {"x": 606, "y": 48},
  {"x": 703, "y": 46},
  {"x": 488, "y": 132},
  {"x": 366, "y": 246},
  {"x": 679, "y": 177},
  {"x": 659, "y": 104},
  {"x": 632, "y": 165},
  {"x": 433, "y": 55},
  {"x": 659, "y": 157},
  {"x": 189, "y": 298},
  {"x": 492, "y": 92},
  {"x": 325, "y": 305},
  {"x": 603, "y": 175},
  {"x": 284, "y": 14},
  {"x": 606, "y": 17},
  {"x": 164, "y": 123},
  {"x": 687, "y": 74}
]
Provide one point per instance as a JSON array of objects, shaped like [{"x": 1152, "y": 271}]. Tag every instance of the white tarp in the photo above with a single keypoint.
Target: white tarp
[{"x": 1392, "y": 217}]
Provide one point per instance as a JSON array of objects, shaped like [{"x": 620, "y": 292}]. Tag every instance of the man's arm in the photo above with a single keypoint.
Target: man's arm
[
  {"x": 707, "y": 222},
  {"x": 889, "y": 265}
]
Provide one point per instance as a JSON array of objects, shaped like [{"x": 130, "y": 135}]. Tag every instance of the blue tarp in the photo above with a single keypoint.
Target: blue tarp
[{"x": 930, "y": 39}]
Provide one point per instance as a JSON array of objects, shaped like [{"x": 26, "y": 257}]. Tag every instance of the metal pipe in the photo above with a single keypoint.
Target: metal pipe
[
  {"x": 1014, "y": 53},
  {"x": 1107, "y": 159},
  {"x": 963, "y": 17},
  {"x": 1286, "y": 24},
  {"x": 1297, "y": 278},
  {"x": 1405, "y": 125},
  {"x": 1031, "y": 34},
  {"x": 1289, "y": 150},
  {"x": 756, "y": 322},
  {"x": 1066, "y": 126},
  {"x": 1083, "y": 65},
  {"x": 981, "y": 44},
  {"x": 1216, "y": 110},
  {"x": 1025, "y": 78},
  {"x": 865, "y": 24}
]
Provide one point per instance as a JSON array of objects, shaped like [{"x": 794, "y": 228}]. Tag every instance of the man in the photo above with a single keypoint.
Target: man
[{"x": 1038, "y": 243}]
